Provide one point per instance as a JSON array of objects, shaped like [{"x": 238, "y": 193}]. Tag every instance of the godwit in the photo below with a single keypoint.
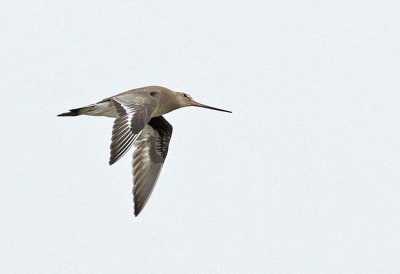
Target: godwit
[{"x": 139, "y": 121}]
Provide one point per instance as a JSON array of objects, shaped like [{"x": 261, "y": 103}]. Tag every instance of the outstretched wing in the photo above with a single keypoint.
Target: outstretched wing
[
  {"x": 134, "y": 112},
  {"x": 148, "y": 159}
]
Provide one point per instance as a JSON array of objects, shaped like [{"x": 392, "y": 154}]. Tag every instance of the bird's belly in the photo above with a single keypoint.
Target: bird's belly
[
  {"x": 159, "y": 111},
  {"x": 156, "y": 114}
]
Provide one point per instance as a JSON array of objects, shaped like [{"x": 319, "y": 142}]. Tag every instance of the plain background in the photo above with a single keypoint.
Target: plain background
[{"x": 303, "y": 177}]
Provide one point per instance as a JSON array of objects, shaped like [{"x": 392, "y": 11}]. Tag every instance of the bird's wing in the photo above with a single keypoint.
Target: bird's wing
[
  {"x": 134, "y": 112},
  {"x": 148, "y": 159}
]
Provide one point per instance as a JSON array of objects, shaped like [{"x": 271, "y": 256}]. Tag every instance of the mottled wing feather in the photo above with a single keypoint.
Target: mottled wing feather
[
  {"x": 148, "y": 159},
  {"x": 134, "y": 112}
]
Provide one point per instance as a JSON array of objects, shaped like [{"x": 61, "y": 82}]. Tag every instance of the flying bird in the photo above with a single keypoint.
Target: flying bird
[{"x": 139, "y": 122}]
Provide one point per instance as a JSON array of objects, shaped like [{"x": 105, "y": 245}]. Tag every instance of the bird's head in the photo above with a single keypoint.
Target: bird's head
[{"x": 185, "y": 100}]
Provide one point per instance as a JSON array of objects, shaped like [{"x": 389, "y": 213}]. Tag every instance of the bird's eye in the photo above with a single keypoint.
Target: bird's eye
[{"x": 185, "y": 95}]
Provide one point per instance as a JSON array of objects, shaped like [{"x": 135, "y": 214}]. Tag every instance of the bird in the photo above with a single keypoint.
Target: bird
[{"x": 139, "y": 121}]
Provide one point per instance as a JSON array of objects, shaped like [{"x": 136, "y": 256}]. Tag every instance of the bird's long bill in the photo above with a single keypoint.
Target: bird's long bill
[{"x": 205, "y": 106}]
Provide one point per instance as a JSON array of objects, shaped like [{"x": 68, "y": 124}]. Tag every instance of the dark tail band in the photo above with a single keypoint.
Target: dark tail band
[{"x": 72, "y": 112}]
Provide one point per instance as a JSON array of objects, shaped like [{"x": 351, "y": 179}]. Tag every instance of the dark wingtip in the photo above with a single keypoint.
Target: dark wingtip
[
  {"x": 112, "y": 160},
  {"x": 137, "y": 209}
]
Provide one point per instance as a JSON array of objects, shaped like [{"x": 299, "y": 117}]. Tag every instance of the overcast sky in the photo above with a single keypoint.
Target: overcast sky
[{"x": 303, "y": 177}]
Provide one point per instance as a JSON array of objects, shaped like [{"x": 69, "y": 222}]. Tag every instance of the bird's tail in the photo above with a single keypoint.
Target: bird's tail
[
  {"x": 71, "y": 112},
  {"x": 98, "y": 109}
]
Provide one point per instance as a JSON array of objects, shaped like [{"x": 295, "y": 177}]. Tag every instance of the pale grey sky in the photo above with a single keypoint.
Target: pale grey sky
[{"x": 303, "y": 177}]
